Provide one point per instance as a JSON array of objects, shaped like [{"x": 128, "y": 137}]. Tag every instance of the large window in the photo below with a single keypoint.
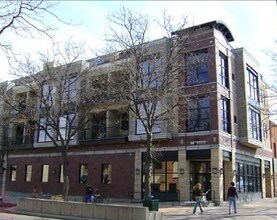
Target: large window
[
  {"x": 225, "y": 115},
  {"x": 254, "y": 124},
  {"x": 99, "y": 126},
  {"x": 106, "y": 173},
  {"x": 151, "y": 72},
  {"x": 199, "y": 114},
  {"x": 65, "y": 122},
  {"x": 223, "y": 70},
  {"x": 42, "y": 134},
  {"x": 252, "y": 81},
  {"x": 197, "y": 67},
  {"x": 165, "y": 176},
  {"x": 48, "y": 94},
  {"x": 248, "y": 178},
  {"x": 70, "y": 90},
  {"x": 154, "y": 112}
]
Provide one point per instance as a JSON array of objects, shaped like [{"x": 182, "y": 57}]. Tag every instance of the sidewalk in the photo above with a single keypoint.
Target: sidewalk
[
  {"x": 263, "y": 209},
  {"x": 254, "y": 210}
]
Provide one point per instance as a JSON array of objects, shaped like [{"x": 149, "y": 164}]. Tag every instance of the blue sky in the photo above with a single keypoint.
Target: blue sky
[{"x": 252, "y": 23}]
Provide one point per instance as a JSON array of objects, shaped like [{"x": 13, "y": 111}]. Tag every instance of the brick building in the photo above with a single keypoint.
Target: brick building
[{"x": 224, "y": 138}]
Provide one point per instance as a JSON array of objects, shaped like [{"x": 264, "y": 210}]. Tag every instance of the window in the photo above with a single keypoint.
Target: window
[
  {"x": 262, "y": 96},
  {"x": 199, "y": 114},
  {"x": 99, "y": 126},
  {"x": 248, "y": 178},
  {"x": 45, "y": 173},
  {"x": 254, "y": 124},
  {"x": 223, "y": 70},
  {"x": 13, "y": 173},
  {"x": 28, "y": 173},
  {"x": 42, "y": 134},
  {"x": 125, "y": 121},
  {"x": 61, "y": 174},
  {"x": 225, "y": 115},
  {"x": 70, "y": 90},
  {"x": 64, "y": 125},
  {"x": 140, "y": 129},
  {"x": 83, "y": 173},
  {"x": 48, "y": 94},
  {"x": 106, "y": 173},
  {"x": 252, "y": 81},
  {"x": 151, "y": 72},
  {"x": 197, "y": 67},
  {"x": 265, "y": 130}
]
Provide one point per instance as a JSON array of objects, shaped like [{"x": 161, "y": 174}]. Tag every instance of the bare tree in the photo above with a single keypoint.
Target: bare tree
[
  {"x": 55, "y": 103},
  {"x": 271, "y": 86},
  {"x": 146, "y": 76},
  {"x": 26, "y": 18}
]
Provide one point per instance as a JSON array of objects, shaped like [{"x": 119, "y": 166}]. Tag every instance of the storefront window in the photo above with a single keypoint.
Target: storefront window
[{"x": 248, "y": 178}]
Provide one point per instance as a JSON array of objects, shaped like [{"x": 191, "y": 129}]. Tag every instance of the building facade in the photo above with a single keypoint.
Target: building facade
[{"x": 223, "y": 138}]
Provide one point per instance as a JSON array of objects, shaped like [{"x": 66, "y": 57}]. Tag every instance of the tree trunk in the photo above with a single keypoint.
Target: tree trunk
[
  {"x": 148, "y": 167},
  {"x": 65, "y": 175}
]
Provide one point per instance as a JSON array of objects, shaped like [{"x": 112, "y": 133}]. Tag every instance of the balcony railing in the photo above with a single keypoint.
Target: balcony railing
[
  {"x": 103, "y": 135},
  {"x": 25, "y": 141}
]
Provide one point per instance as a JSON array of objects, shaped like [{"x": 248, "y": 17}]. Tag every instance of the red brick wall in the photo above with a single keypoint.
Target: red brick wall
[{"x": 122, "y": 174}]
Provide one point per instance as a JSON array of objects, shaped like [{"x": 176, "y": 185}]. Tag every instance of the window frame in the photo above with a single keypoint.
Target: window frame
[
  {"x": 225, "y": 114},
  {"x": 42, "y": 135},
  {"x": 254, "y": 124},
  {"x": 197, "y": 119},
  {"x": 223, "y": 70},
  {"x": 197, "y": 72},
  {"x": 157, "y": 125},
  {"x": 253, "y": 87}
]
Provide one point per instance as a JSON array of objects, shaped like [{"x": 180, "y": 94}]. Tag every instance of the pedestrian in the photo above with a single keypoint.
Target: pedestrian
[
  {"x": 89, "y": 194},
  {"x": 197, "y": 195},
  {"x": 232, "y": 196}
]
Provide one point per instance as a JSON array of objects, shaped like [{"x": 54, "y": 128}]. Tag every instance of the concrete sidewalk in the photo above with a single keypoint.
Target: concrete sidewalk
[
  {"x": 262, "y": 209},
  {"x": 254, "y": 210}
]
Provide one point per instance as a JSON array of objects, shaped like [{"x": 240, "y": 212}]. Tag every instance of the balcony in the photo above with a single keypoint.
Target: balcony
[
  {"x": 19, "y": 142},
  {"x": 103, "y": 135}
]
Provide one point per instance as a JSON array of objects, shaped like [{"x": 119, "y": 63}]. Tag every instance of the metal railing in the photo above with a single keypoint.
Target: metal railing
[
  {"x": 103, "y": 133},
  {"x": 18, "y": 141}
]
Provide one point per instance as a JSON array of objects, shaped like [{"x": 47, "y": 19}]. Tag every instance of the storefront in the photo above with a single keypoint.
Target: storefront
[{"x": 165, "y": 176}]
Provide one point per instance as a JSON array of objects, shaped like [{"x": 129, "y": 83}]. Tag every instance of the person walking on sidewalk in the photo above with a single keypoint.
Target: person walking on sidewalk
[
  {"x": 197, "y": 194},
  {"x": 232, "y": 196}
]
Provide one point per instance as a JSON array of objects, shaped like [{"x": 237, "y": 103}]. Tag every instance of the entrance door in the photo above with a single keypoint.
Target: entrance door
[{"x": 200, "y": 173}]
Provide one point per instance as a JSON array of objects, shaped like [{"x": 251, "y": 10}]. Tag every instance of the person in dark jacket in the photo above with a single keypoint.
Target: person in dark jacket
[
  {"x": 89, "y": 194},
  {"x": 232, "y": 196},
  {"x": 197, "y": 194}
]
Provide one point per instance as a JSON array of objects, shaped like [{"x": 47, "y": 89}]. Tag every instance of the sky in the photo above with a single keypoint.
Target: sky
[{"x": 253, "y": 25}]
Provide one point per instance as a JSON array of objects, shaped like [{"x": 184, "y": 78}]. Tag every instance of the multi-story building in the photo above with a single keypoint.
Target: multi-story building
[{"x": 222, "y": 139}]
